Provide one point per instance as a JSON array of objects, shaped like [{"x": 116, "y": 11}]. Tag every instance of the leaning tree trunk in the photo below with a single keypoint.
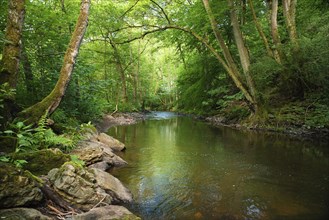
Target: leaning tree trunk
[
  {"x": 242, "y": 49},
  {"x": 11, "y": 54},
  {"x": 227, "y": 54},
  {"x": 50, "y": 103},
  {"x": 230, "y": 63}
]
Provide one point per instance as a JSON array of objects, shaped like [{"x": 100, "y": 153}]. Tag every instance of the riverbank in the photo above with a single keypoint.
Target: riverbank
[
  {"x": 183, "y": 168},
  {"x": 296, "y": 130},
  {"x": 301, "y": 131},
  {"x": 77, "y": 186},
  {"x": 110, "y": 120}
]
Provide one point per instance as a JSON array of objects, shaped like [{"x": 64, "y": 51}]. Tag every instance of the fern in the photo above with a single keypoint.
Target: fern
[{"x": 41, "y": 137}]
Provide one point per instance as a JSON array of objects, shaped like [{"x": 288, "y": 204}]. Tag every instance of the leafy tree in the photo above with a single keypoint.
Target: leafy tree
[{"x": 51, "y": 102}]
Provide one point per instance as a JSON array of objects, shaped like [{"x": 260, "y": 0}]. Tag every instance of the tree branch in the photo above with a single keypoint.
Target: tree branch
[
  {"x": 165, "y": 14},
  {"x": 129, "y": 9}
]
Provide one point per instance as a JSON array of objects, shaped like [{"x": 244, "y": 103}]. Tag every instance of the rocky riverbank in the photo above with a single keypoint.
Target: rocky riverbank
[
  {"x": 76, "y": 187},
  {"x": 108, "y": 120},
  {"x": 299, "y": 131}
]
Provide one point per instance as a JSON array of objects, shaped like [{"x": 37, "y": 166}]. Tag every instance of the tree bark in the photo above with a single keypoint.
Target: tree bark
[
  {"x": 242, "y": 49},
  {"x": 274, "y": 31},
  {"x": 289, "y": 12},
  {"x": 12, "y": 47},
  {"x": 51, "y": 102},
  {"x": 9, "y": 65},
  {"x": 121, "y": 70},
  {"x": 227, "y": 54},
  {"x": 260, "y": 30},
  {"x": 243, "y": 52},
  {"x": 136, "y": 73}
]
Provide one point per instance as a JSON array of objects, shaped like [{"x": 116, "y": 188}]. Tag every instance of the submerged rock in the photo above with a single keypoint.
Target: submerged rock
[
  {"x": 107, "y": 213},
  {"x": 113, "y": 143},
  {"x": 22, "y": 213},
  {"x": 77, "y": 186},
  {"x": 17, "y": 187}
]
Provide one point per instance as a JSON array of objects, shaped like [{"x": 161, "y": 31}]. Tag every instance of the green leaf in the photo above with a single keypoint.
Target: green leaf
[
  {"x": 19, "y": 124},
  {"x": 4, "y": 159},
  {"x": 19, "y": 163}
]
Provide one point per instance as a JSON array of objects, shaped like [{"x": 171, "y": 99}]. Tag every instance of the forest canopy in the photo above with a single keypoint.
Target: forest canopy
[{"x": 266, "y": 62}]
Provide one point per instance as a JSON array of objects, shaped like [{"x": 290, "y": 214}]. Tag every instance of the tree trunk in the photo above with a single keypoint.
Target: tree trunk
[
  {"x": 274, "y": 30},
  {"x": 121, "y": 71},
  {"x": 260, "y": 30},
  {"x": 12, "y": 47},
  {"x": 289, "y": 12},
  {"x": 242, "y": 49},
  {"x": 28, "y": 75},
  {"x": 50, "y": 103},
  {"x": 231, "y": 66},
  {"x": 9, "y": 65},
  {"x": 243, "y": 12},
  {"x": 227, "y": 54},
  {"x": 136, "y": 74}
]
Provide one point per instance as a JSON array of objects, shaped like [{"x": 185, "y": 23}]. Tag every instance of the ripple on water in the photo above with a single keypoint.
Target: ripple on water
[{"x": 182, "y": 169}]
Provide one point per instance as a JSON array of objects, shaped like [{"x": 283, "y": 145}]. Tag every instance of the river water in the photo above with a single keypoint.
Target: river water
[{"x": 180, "y": 168}]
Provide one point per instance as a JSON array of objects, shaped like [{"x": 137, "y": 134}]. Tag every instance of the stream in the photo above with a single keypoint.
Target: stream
[{"x": 181, "y": 168}]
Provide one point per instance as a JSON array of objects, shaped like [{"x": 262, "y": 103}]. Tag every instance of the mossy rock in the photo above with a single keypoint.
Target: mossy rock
[
  {"x": 18, "y": 187},
  {"x": 42, "y": 161}
]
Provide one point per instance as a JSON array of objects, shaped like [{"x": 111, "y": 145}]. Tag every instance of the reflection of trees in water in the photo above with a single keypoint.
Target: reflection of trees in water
[{"x": 184, "y": 168}]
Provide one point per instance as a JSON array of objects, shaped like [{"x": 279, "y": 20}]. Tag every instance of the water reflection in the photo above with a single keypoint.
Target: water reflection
[{"x": 180, "y": 168}]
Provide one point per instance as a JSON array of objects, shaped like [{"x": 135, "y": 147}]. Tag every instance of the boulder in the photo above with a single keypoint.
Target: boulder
[
  {"x": 107, "y": 213},
  {"x": 89, "y": 154},
  {"x": 112, "y": 159},
  {"x": 91, "y": 143},
  {"x": 112, "y": 186},
  {"x": 103, "y": 165},
  {"x": 77, "y": 186},
  {"x": 22, "y": 213},
  {"x": 17, "y": 187},
  {"x": 98, "y": 155},
  {"x": 42, "y": 161},
  {"x": 113, "y": 143}
]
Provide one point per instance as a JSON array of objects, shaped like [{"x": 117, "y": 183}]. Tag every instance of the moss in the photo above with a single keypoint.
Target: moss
[
  {"x": 39, "y": 181},
  {"x": 41, "y": 162}
]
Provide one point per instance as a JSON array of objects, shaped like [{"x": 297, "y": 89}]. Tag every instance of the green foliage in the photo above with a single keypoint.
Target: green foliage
[
  {"x": 41, "y": 137},
  {"x": 164, "y": 66},
  {"x": 235, "y": 111},
  {"x": 17, "y": 163},
  {"x": 75, "y": 159},
  {"x": 267, "y": 75},
  {"x": 302, "y": 114}
]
